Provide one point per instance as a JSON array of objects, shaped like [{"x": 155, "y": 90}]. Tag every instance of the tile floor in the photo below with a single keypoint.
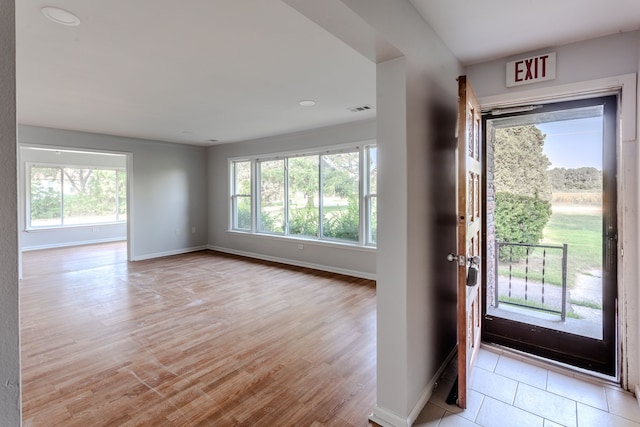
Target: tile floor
[{"x": 506, "y": 391}]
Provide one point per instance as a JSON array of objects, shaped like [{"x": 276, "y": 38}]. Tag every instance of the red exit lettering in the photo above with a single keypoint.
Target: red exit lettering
[{"x": 531, "y": 68}]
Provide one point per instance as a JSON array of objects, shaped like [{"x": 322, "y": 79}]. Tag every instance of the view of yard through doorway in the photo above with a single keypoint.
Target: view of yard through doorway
[{"x": 551, "y": 228}]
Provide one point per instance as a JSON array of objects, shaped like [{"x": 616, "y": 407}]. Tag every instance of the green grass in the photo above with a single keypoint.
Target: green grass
[
  {"x": 583, "y": 234},
  {"x": 587, "y": 304},
  {"x": 521, "y": 302}
]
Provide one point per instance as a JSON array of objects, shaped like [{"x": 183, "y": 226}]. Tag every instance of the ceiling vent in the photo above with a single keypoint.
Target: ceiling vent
[{"x": 360, "y": 108}]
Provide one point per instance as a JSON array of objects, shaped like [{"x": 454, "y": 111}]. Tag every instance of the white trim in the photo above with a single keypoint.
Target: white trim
[
  {"x": 625, "y": 83},
  {"x": 44, "y": 229},
  {"x": 328, "y": 243},
  {"x": 386, "y": 418},
  {"x": 428, "y": 390},
  {"x": 316, "y": 151},
  {"x": 106, "y": 152},
  {"x": 626, "y": 86},
  {"x": 75, "y": 243},
  {"x": 361, "y": 148},
  {"x": 169, "y": 253},
  {"x": 296, "y": 263}
]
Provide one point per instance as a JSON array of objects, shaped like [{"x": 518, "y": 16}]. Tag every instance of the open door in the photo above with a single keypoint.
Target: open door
[{"x": 469, "y": 232}]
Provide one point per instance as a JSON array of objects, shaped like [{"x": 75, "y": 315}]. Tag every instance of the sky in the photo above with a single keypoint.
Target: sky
[{"x": 574, "y": 143}]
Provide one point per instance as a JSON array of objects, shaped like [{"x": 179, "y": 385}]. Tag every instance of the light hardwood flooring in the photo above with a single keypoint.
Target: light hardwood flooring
[{"x": 202, "y": 339}]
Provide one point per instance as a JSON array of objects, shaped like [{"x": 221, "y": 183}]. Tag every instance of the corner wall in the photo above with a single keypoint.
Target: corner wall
[
  {"x": 416, "y": 288},
  {"x": 635, "y": 320},
  {"x": 168, "y": 195},
  {"x": 64, "y": 236},
  {"x": 347, "y": 259},
  {"x": 10, "y": 409}
]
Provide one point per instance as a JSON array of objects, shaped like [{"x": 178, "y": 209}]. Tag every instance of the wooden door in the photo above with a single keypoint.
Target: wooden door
[{"x": 469, "y": 232}]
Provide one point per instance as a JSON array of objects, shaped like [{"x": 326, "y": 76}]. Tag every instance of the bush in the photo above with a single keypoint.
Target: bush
[
  {"x": 343, "y": 224},
  {"x": 519, "y": 219},
  {"x": 304, "y": 222}
]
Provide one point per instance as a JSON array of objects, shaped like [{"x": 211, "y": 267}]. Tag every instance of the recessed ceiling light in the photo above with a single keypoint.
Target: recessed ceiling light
[
  {"x": 61, "y": 16},
  {"x": 307, "y": 103}
]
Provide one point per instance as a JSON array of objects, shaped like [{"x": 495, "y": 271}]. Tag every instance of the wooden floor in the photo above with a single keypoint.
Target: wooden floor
[{"x": 203, "y": 339}]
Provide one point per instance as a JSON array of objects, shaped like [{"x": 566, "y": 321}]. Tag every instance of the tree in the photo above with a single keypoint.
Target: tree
[
  {"x": 519, "y": 219},
  {"x": 520, "y": 164},
  {"x": 522, "y": 187},
  {"x": 585, "y": 178},
  {"x": 303, "y": 178}
]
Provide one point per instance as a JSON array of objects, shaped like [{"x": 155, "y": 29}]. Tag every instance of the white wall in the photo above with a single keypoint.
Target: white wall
[
  {"x": 168, "y": 194},
  {"x": 10, "y": 413},
  {"x": 587, "y": 60},
  {"x": 578, "y": 64},
  {"x": 416, "y": 117},
  {"x": 635, "y": 319},
  {"x": 358, "y": 261},
  {"x": 68, "y": 236}
]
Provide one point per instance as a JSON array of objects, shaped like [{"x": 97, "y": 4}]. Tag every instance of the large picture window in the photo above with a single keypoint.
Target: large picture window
[
  {"x": 68, "y": 196},
  {"x": 329, "y": 196}
]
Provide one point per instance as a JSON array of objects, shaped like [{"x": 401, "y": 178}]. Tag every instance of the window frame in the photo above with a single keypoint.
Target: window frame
[
  {"x": 27, "y": 202},
  {"x": 369, "y": 195},
  {"x": 235, "y": 195},
  {"x": 364, "y": 194}
]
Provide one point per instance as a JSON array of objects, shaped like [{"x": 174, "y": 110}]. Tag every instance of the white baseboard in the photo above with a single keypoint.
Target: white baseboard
[
  {"x": 168, "y": 253},
  {"x": 428, "y": 391},
  {"x": 297, "y": 263},
  {"x": 69, "y": 244},
  {"x": 387, "y": 418}
]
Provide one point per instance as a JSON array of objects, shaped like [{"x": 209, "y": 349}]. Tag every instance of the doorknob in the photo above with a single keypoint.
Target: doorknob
[{"x": 452, "y": 257}]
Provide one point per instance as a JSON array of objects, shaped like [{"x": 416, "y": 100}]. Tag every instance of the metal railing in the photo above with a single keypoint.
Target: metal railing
[{"x": 529, "y": 282}]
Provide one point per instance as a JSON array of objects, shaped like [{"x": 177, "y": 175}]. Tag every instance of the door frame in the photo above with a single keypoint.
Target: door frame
[
  {"x": 626, "y": 86},
  {"x": 594, "y": 354}
]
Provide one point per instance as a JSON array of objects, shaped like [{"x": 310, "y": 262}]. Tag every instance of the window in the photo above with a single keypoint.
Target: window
[
  {"x": 371, "y": 196},
  {"x": 340, "y": 175},
  {"x": 304, "y": 196},
  {"x": 63, "y": 196},
  {"x": 272, "y": 195},
  {"x": 328, "y": 196},
  {"x": 241, "y": 196}
]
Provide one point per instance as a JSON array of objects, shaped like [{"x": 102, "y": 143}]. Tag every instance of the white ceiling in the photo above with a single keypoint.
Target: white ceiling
[
  {"x": 185, "y": 71},
  {"x": 194, "y": 70},
  {"x": 478, "y": 31}
]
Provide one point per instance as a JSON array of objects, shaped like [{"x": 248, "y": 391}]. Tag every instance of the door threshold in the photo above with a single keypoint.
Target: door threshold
[{"x": 593, "y": 377}]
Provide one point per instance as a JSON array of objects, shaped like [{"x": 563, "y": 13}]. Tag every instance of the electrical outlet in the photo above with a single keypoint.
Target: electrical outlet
[
  {"x": 300, "y": 246},
  {"x": 193, "y": 230}
]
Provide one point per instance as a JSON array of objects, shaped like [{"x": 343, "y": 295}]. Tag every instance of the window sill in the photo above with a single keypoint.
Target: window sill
[
  {"x": 306, "y": 241},
  {"x": 73, "y": 227}
]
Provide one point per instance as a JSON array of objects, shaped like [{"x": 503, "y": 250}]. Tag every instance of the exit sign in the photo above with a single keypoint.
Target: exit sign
[{"x": 531, "y": 70}]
